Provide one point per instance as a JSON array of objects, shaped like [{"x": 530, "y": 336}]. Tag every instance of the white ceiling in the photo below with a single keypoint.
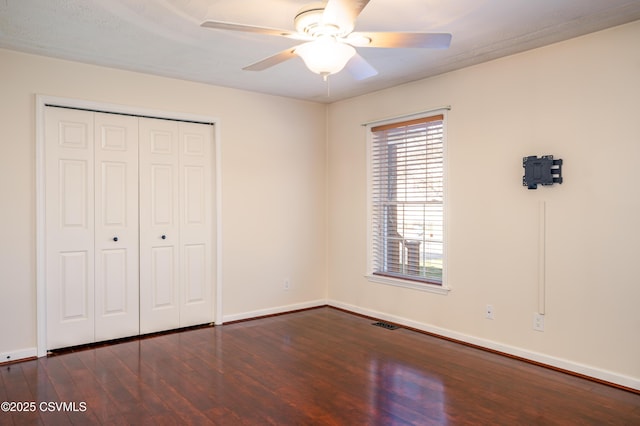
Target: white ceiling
[{"x": 164, "y": 37}]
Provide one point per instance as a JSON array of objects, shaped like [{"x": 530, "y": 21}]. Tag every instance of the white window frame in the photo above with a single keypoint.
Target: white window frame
[{"x": 442, "y": 288}]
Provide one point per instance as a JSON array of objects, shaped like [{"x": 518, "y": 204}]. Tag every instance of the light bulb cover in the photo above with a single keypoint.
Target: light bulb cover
[{"x": 325, "y": 55}]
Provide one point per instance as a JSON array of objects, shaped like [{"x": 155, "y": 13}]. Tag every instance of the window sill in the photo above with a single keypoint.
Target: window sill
[{"x": 429, "y": 288}]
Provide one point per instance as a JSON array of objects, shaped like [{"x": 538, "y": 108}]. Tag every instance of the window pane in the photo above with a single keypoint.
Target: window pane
[{"x": 407, "y": 200}]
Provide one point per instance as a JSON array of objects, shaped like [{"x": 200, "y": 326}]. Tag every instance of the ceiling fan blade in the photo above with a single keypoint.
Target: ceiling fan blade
[
  {"x": 423, "y": 40},
  {"x": 359, "y": 68},
  {"x": 272, "y": 60},
  {"x": 221, "y": 25},
  {"x": 343, "y": 13}
]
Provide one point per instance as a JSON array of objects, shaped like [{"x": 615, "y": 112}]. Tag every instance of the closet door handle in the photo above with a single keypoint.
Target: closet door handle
[
  {"x": 115, "y": 239},
  {"x": 164, "y": 237}
]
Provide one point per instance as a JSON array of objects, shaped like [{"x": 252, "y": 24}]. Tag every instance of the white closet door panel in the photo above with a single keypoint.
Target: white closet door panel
[
  {"x": 116, "y": 236},
  {"x": 195, "y": 196},
  {"x": 69, "y": 196},
  {"x": 162, "y": 195},
  {"x": 196, "y": 223},
  {"x": 74, "y": 193},
  {"x": 74, "y": 282},
  {"x": 113, "y": 190},
  {"x": 162, "y": 284},
  {"x": 114, "y": 290},
  {"x": 195, "y": 274},
  {"x": 159, "y": 226}
]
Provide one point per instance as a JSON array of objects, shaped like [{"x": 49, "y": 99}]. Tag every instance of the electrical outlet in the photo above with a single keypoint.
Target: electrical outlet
[
  {"x": 489, "y": 312},
  {"x": 287, "y": 284},
  {"x": 538, "y": 322}
]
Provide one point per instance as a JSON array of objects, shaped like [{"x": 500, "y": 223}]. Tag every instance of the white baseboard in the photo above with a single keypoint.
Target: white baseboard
[
  {"x": 272, "y": 311},
  {"x": 18, "y": 355},
  {"x": 567, "y": 365}
]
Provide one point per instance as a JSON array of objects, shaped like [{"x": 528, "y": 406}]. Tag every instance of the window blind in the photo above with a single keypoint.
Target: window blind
[{"x": 407, "y": 194}]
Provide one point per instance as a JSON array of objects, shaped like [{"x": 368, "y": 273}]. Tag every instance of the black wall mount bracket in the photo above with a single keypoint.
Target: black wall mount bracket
[{"x": 541, "y": 171}]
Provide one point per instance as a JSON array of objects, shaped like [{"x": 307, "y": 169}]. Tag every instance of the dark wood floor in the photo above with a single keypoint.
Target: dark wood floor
[{"x": 321, "y": 366}]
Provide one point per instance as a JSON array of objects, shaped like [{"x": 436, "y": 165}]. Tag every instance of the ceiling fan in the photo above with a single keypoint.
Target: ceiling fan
[{"x": 327, "y": 30}]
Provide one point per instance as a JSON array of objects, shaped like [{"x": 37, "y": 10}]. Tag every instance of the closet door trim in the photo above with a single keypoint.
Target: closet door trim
[{"x": 41, "y": 102}]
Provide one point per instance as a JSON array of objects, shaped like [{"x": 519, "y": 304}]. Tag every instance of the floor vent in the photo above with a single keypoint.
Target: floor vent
[{"x": 386, "y": 325}]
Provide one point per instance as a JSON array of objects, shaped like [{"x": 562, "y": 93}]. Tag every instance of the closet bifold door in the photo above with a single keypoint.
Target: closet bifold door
[
  {"x": 116, "y": 222},
  {"x": 196, "y": 223},
  {"x": 69, "y": 222},
  {"x": 129, "y": 224},
  {"x": 159, "y": 225},
  {"x": 91, "y": 162},
  {"x": 176, "y": 223}
]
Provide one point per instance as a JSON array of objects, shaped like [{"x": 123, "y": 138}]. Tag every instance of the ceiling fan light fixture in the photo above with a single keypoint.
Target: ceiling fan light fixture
[
  {"x": 325, "y": 55},
  {"x": 327, "y": 28}
]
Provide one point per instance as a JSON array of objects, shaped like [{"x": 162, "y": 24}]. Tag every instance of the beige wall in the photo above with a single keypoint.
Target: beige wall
[
  {"x": 579, "y": 101},
  {"x": 273, "y": 184}
]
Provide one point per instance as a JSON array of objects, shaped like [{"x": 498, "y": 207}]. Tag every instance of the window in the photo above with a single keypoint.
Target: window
[{"x": 406, "y": 197}]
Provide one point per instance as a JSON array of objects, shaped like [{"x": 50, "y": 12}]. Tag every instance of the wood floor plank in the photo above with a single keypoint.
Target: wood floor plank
[{"x": 316, "y": 367}]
